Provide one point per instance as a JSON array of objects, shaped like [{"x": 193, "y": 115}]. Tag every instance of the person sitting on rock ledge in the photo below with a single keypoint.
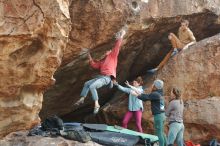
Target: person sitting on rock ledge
[
  {"x": 107, "y": 67},
  {"x": 135, "y": 105},
  {"x": 183, "y": 41}
]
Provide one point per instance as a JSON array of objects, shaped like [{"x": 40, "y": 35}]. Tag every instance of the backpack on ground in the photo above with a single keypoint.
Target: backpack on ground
[
  {"x": 38, "y": 131},
  {"x": 53, "y": 123}
]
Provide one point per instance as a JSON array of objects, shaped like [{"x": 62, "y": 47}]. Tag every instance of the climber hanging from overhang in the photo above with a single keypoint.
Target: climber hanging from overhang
[
  {"x": 183, "y": 41},
  {"x": 107, "y": 67}
]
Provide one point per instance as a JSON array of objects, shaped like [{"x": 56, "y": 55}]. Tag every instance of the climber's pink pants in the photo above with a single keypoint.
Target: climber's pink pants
[{"x": 129, "y": 115}]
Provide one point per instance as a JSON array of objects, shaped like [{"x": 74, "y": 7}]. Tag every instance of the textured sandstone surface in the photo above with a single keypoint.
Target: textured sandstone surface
[
  {"x": 202, "y": 119},
  {"x": 33, "y": 36},
  {"x": 34, "y": 43},
  {"x": 196, "y": 72},
  {"x": 95, "y": 22},
  {"x": 21, "y": 139}
]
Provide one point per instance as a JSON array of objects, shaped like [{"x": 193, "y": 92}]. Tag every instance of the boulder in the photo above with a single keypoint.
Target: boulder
[
  {"x": 196, "y": 70},
  {"x": 33, "y": 36},
  {"x": 202, "y": 119}
]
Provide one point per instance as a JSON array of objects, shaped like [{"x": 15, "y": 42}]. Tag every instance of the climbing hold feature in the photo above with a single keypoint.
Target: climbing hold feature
[{"x": 135, "y": 7}]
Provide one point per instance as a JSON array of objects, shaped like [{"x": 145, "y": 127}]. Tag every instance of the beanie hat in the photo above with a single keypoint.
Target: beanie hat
[{"x": 158, "y": 84}]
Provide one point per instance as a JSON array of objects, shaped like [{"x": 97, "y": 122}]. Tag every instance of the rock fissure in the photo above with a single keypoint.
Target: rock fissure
[{"x": 38, "y": 6}]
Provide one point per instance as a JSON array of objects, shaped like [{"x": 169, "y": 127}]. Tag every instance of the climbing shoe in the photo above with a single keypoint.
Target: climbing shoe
[
  {"x": 154, "y": 70},
  {"x": 96, "y": 110},
  {"x": 80, "y": 101}
]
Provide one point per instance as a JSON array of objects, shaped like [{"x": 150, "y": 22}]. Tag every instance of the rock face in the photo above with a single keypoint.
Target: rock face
[
  {"x": 93, "y": 25},
  {"x": 34, "y": 41},
  {"x": 33, "y": 36},
  {"x": 21, "y": 139},
  {"x": 202, "y": 119},
  {"x": 196, "y": 72}
]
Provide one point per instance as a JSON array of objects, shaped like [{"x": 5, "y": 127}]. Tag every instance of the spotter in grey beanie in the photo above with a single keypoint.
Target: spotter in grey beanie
[{"x": 158, "y": 84}]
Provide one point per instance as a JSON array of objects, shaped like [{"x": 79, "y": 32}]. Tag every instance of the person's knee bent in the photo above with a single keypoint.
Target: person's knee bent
[
  {"x": 172, "y": 34},
  {"x": 92, "y": 87},
  {"x": 86, "y": 84},
  {"x": 173, "y": 37}
]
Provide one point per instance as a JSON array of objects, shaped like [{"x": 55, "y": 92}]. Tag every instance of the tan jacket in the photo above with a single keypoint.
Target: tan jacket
[{"x": 186, "y": 36}]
